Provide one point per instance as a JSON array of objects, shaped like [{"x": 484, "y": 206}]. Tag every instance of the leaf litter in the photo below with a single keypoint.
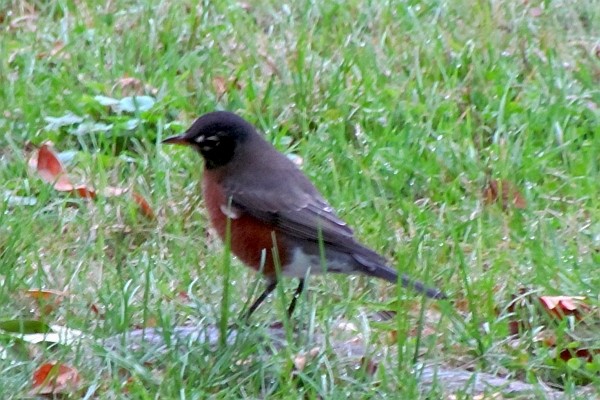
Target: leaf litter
[{"x": 49, "y": 168}]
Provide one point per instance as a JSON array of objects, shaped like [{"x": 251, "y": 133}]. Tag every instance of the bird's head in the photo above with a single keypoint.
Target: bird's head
[{"x": 216, "y": 136}]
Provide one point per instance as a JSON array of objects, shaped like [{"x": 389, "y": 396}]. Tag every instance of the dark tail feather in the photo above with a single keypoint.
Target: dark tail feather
[
  {"x": 420, "y": 287},
  {"x": 384, "y": 272}
]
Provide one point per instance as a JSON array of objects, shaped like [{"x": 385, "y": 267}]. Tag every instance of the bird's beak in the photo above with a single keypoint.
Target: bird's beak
[{"x": 178, "y": 139}]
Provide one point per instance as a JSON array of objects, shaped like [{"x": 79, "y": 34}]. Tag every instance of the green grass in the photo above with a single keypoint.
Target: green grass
[{"x": 401, "y": 112}]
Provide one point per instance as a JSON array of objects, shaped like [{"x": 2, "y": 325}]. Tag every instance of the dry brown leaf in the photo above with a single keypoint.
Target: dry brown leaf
[
  {"x": 45, "y": 294},
  {"x": 315, "y": 351},
  {"x": 391, "y": 337},
  {"x": 24, "y": 22},
  {"x": 133, "y": 86},
  {"x": 129, "y": 82},
  {"x": 369, "y": 365},
  {"x": 300, "y": 362},
  {"x": 547, "y": 338},
  {"x": 57, "y": 50},
  {"x": 505, "y": 193},
  {"x": 220, "y": 86},
  {"x": 302, "y": 358},
  {"x": 55, "y": 378},
  {"x": 519, "y": 303},
  {"x": 47, "y": 299}
]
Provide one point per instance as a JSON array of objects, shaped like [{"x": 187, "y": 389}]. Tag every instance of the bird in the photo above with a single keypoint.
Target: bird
[{"x": 279, "y": 223}]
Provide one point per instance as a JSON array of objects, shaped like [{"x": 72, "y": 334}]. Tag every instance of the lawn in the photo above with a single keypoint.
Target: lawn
[{"x": 460, "y": 139}]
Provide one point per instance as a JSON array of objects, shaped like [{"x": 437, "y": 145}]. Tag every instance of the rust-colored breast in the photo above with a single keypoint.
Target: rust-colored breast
[{"x": 250, "y": 237}]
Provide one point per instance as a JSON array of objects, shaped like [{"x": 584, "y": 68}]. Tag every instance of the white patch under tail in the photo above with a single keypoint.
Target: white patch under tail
[
  {"x": 301, "y": 262},
  {"x": 230, "y": 211}
]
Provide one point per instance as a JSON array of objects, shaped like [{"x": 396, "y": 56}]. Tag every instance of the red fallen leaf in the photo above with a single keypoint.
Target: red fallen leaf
[
  {"x": 586, "y": 354},
  {"x": 505, "y": 193},
  {"x": 51, "y": 170},
  {"x": 183, "y": 295},
  {"x": 94, "y": 308},
  {"x": 514, "y": 327},
  {"x": 144, "y": 205},
  {"x": 55, "y": 378},
  {"x": 49, "y": 167},
  {"x": 561, "y": 306}
]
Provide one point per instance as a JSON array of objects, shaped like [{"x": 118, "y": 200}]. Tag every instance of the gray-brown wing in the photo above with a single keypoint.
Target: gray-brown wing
[
  {"x": 298, "y": 214},
  {"x": 291, "y": 203}
]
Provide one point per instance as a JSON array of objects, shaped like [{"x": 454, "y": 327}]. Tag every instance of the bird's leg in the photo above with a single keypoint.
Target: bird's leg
[
  {"x": 270, "y": 287},
  {"x": 297, "y": 294}
]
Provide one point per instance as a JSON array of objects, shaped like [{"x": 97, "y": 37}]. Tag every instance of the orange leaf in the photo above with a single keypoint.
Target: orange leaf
[
  {"x": 505, "y": 193},
  {"x": 50, "y": 169},
  {"x": 55, "y": 378},
  {"x": 45, "y": 294},
  {"x": 84, "y": 191},
  {"x": 220, "y": 85},
  {"x": 46, "y": 299},
  {"x": 144, "y": 205},
  {"x": 564, "y": 305}
]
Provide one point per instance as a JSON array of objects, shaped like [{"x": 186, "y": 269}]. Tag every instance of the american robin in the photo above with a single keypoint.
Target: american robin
[{"x": 277, "y": 218}]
